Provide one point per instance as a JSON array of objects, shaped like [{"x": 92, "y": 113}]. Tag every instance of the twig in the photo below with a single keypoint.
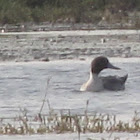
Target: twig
[
  {"x": 86, "y": 110},
  {"x": 49, "y": 104},
  {"x": 77, "y": 123},
  {"x": 48, "y": 81}
]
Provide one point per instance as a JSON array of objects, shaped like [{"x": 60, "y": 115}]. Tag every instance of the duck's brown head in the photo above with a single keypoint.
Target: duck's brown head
[{"x": 100, "y": 63}]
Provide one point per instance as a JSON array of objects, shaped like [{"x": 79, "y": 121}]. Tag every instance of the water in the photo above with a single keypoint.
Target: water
[{"x": 23, "y": 85}]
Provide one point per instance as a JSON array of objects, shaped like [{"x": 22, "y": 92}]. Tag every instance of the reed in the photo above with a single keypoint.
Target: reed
[{"x": 63, "y": 123}]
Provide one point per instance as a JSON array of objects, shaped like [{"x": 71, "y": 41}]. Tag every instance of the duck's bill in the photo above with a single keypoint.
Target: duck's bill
[{"x": 112, "y": 67}]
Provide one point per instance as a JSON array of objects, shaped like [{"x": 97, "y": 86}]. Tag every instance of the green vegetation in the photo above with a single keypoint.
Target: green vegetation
[{"x": 87, "y": 11}]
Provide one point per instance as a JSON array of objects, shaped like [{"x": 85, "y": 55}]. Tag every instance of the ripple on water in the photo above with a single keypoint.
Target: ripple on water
[{"x": 25, "y": 85}]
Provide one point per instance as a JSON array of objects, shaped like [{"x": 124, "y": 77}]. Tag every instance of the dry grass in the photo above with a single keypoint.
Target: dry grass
[{"x": 62, "y": 123}]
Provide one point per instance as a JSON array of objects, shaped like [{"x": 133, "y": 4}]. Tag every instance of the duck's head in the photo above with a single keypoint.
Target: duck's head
[{"x": 100, "y": 63}]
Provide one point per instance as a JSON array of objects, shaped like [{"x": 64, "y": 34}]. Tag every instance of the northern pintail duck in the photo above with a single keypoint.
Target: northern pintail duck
[{"x": 98, "y": 83}]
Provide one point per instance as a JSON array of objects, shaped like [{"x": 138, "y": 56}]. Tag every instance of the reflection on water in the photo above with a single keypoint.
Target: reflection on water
[{"x": 23, "y": 85}]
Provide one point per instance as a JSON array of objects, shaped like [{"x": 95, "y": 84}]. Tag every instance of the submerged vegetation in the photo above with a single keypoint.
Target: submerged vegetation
[{"x": 75, "y": 11}]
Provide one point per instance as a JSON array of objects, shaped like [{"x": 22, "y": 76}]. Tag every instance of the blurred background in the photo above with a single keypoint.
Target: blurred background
[{"x": 100, "y": 13}]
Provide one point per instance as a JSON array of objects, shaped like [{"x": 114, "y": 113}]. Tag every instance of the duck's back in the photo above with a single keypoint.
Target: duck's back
[{"x": 114, "y": 82}]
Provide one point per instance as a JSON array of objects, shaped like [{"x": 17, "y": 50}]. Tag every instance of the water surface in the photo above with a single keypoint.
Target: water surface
[{"x": 23, "y": 85}]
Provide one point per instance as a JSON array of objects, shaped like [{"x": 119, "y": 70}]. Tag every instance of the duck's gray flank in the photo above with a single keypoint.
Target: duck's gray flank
[{"x": 114, "y": 82}]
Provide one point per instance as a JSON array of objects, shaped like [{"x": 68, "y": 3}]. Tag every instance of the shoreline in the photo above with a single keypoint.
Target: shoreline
[
  {"x": 77, "y": 32},
  {"x": 113, "y": 59},
  {"x": 47, "y": 26}
]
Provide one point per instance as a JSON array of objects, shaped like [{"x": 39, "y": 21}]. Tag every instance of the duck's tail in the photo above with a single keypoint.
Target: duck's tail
[{"x": 124, "y": 78}]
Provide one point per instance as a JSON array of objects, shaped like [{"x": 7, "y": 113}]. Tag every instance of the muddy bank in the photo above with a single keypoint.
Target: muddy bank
[
  {"x": 45, "y": 46},
  {"x": 47, "y": 26}
]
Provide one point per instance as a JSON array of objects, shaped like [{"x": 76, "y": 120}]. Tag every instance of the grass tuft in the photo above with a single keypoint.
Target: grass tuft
[{"x": 62, "y": 123}]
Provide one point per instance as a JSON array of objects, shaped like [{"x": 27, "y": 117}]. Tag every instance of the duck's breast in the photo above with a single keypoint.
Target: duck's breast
[{"x": 93, "y": 84}]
